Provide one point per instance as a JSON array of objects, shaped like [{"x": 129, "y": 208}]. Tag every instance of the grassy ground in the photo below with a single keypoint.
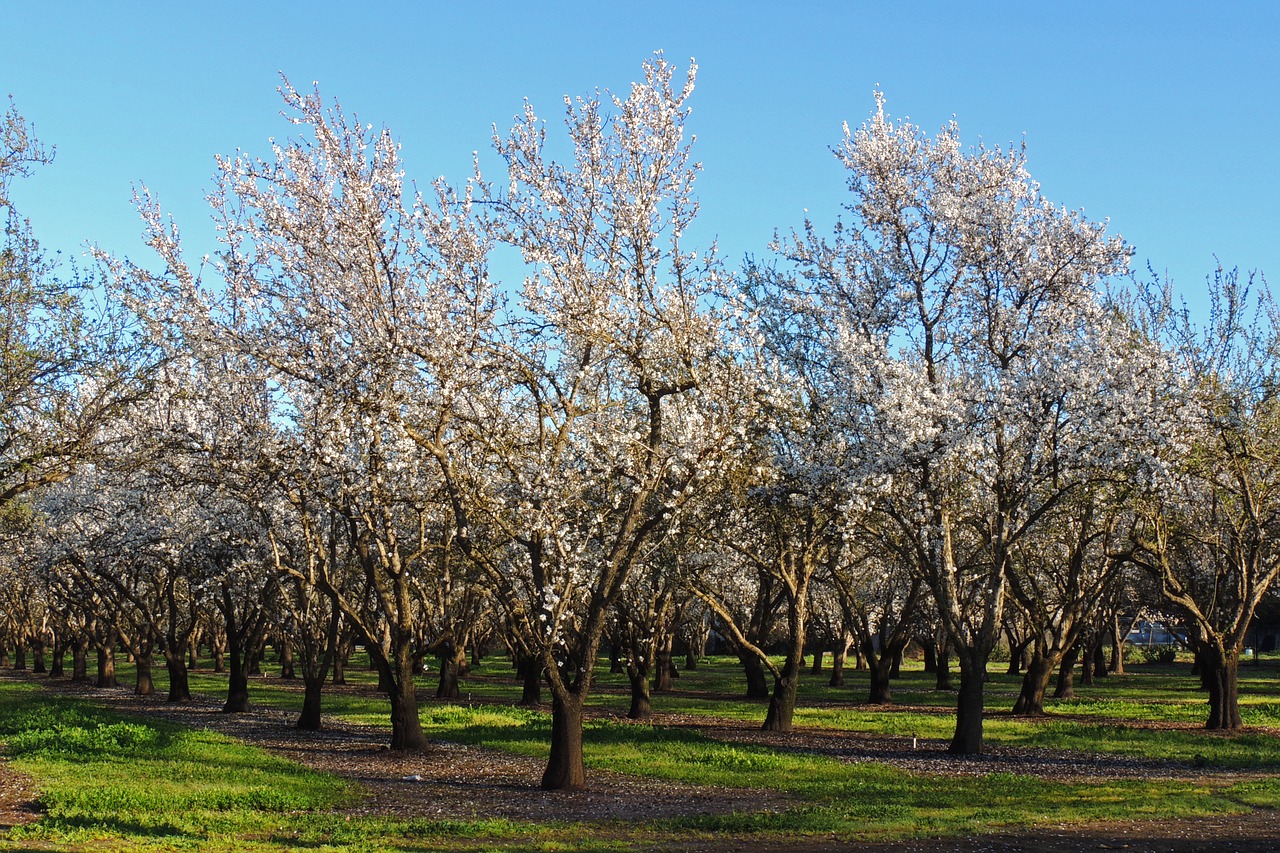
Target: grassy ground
[{"x": 130, "y": 783}]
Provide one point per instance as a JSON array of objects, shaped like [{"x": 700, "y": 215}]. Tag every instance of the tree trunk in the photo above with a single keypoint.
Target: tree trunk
[
  {"x": 1117, "y": 647},
  {"x": 757, "y": 684},
  {"x": 217, "y": 652},
  {"x": 664, "y": 670},
  {"x": 838, "y": 655},
  {"x": 453, "y": 659},
  {"x": 880, "y": 692},
  {"x": 37, "y": 658},
  {"x": 819, "y": 650},
  {"x": 930, "y": 657},
  {"x": 144, "y": 685},
  {"x": 286, "y": 660},
  {"x": 80, "y": 659},
  {"x": 19, "y": 656},
  {"x": 313, "y": 685},
  {"x": 107, "y": 663},
  {"x": 566, "y": 770},
  {"x": 1220, "y": 671},
  {"x": 529, "y": 668},
  {"x": 782, "y": 702},
  {"x": 179, "y": 687},
  {"x": 1066, "y": 675},
  {"x": 237, "y": 682},
  {"x": 59, "y": 652},
  {"x": 1035, "y": 683},
  {"x": 406, "y": 725},
  {"x": 638, "y": 675},
  {"x": 968, "y": 736}
]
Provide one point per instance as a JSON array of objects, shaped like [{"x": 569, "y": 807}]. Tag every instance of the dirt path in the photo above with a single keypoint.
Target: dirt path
[{"x": 459, "y": 781}]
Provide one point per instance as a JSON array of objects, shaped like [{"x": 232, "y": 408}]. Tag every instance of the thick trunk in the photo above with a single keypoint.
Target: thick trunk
[
  {"x": 757, "y": 684},
  {"x": 237, "y": 687},
  {"x": 566, "y": 770},
  {"x": 59, "y": 652},
  {"x": 838, "y": 655},
  {"x": 641, "y": 708},
  {"x": 1066, "y": 675},
  {"x": 309, "y": 720},
  {"x": 1035, "y": 683},
  {"x": 286, "y": 661},
  {"x": 80, "y": 659},
  {"x": 968, "y": 736},
  {"x": 37, "y": 658},
  {"x": 1099, "y": 661},
  {"x": 664, "y": 669},
  {"x": 880, "y": 692},
  {"x": 107, "y": 662},
  {"x": 782, "y": 702},
  {"x": 453, "y": 659},
  {"x": 529, "y": 668},
  {"x": 930, "y": 657},
  {"x": 20, "y": 656},
  {"x": 818, "y": 651},
  {"x": 238, "y": 681},
  {"x": 179, "y": 687},
  {"x": 1221, "y": 674},
  {"x": 144, "y": 685},
  {"x": 406, "y": 725}
]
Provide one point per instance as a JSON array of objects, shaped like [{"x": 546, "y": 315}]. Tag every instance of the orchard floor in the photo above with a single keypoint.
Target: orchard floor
[{"x": 459, "y": 781}]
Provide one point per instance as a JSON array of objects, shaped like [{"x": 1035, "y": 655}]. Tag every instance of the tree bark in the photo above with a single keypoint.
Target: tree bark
[
  {"x": 1220, "y": 673},
  {"x": 757, "y": 684},
  {"x": 179, "y": 687},
  {"x": 1066, "y": 675},
  {"x": 237, "y": 682},
  {"x": 529, "y": 668},
  {"x": 144, "y": 685},
  {"x": 309, "y": 719},
  {"x": 641, "y": 707},
  {"x": 1117, "y": 647},
  {"x": 664, "y": 669},
  {"x": 838, "y": 655},
  {"x": 969, "y": 709},
  {"x": 107, "y": 662},
  {"x": 56, "y": 662},
  {"x": 406, "y": 725},
  {"x": 880, "y": 691},
  {"x": 1035, "y": 683},
  {"x": 80, "y": 658},
  {"x": 566, "y": 770}
]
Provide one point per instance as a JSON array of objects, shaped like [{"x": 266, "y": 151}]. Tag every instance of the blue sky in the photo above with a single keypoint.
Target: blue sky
[{"x": 1161, "y": 116}]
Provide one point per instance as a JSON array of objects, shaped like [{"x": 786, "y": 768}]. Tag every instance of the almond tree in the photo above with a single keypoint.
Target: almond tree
[
  {"x": 1207, "y": 529},
  {"x": 606, "y": 409},
  {"x": 67, "y": 364},
  {"x": 985, "y": 377},
  {"x": 360, "y": 304}
]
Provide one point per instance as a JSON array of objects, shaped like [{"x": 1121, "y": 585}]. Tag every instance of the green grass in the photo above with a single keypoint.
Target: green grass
[{"x": 111, "y": 780}]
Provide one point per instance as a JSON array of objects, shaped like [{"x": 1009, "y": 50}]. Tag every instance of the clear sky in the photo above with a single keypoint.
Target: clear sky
[{"x": 1161, "y": 116}]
